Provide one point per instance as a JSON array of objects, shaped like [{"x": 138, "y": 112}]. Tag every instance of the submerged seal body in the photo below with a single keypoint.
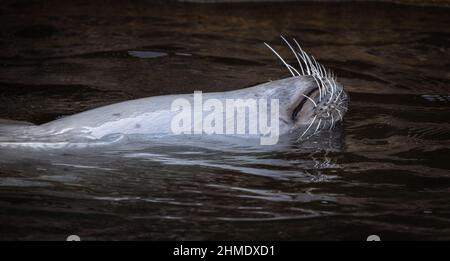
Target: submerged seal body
[{"x": 309, "y": 102}]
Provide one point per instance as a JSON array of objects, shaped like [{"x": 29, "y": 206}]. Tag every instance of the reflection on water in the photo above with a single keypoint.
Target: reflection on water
[{"x": 386, "y": 174}]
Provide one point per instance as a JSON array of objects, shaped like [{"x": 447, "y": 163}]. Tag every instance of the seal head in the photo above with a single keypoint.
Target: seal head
[{"x": 320, "y": 102}]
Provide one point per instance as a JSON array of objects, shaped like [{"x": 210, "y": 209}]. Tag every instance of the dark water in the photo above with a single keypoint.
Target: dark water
[{"x": 388, "y": 176}]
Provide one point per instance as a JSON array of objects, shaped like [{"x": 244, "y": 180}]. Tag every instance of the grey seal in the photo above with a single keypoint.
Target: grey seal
[{"x": 311, "y": 100}]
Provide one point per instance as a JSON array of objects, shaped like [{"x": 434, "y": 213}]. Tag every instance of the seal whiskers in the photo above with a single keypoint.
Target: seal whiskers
[{"x": 331, "y": 104}]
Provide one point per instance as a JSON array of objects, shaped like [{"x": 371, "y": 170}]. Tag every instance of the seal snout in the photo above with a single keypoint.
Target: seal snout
[
  {"x": 332, "y": 107},
  {"x": 322, "y": 107}
]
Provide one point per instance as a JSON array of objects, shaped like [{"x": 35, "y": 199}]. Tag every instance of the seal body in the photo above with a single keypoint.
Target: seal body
[
  {"x": 153, "y": 116},
  {"x": 307, "y": 103}
]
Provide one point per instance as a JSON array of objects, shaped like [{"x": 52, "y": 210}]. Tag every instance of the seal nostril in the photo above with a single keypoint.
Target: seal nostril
[{"x": 302, "y": 104}]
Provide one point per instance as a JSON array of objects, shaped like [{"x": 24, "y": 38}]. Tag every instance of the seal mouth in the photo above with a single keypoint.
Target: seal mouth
[{"x": 302, "y": 103}]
